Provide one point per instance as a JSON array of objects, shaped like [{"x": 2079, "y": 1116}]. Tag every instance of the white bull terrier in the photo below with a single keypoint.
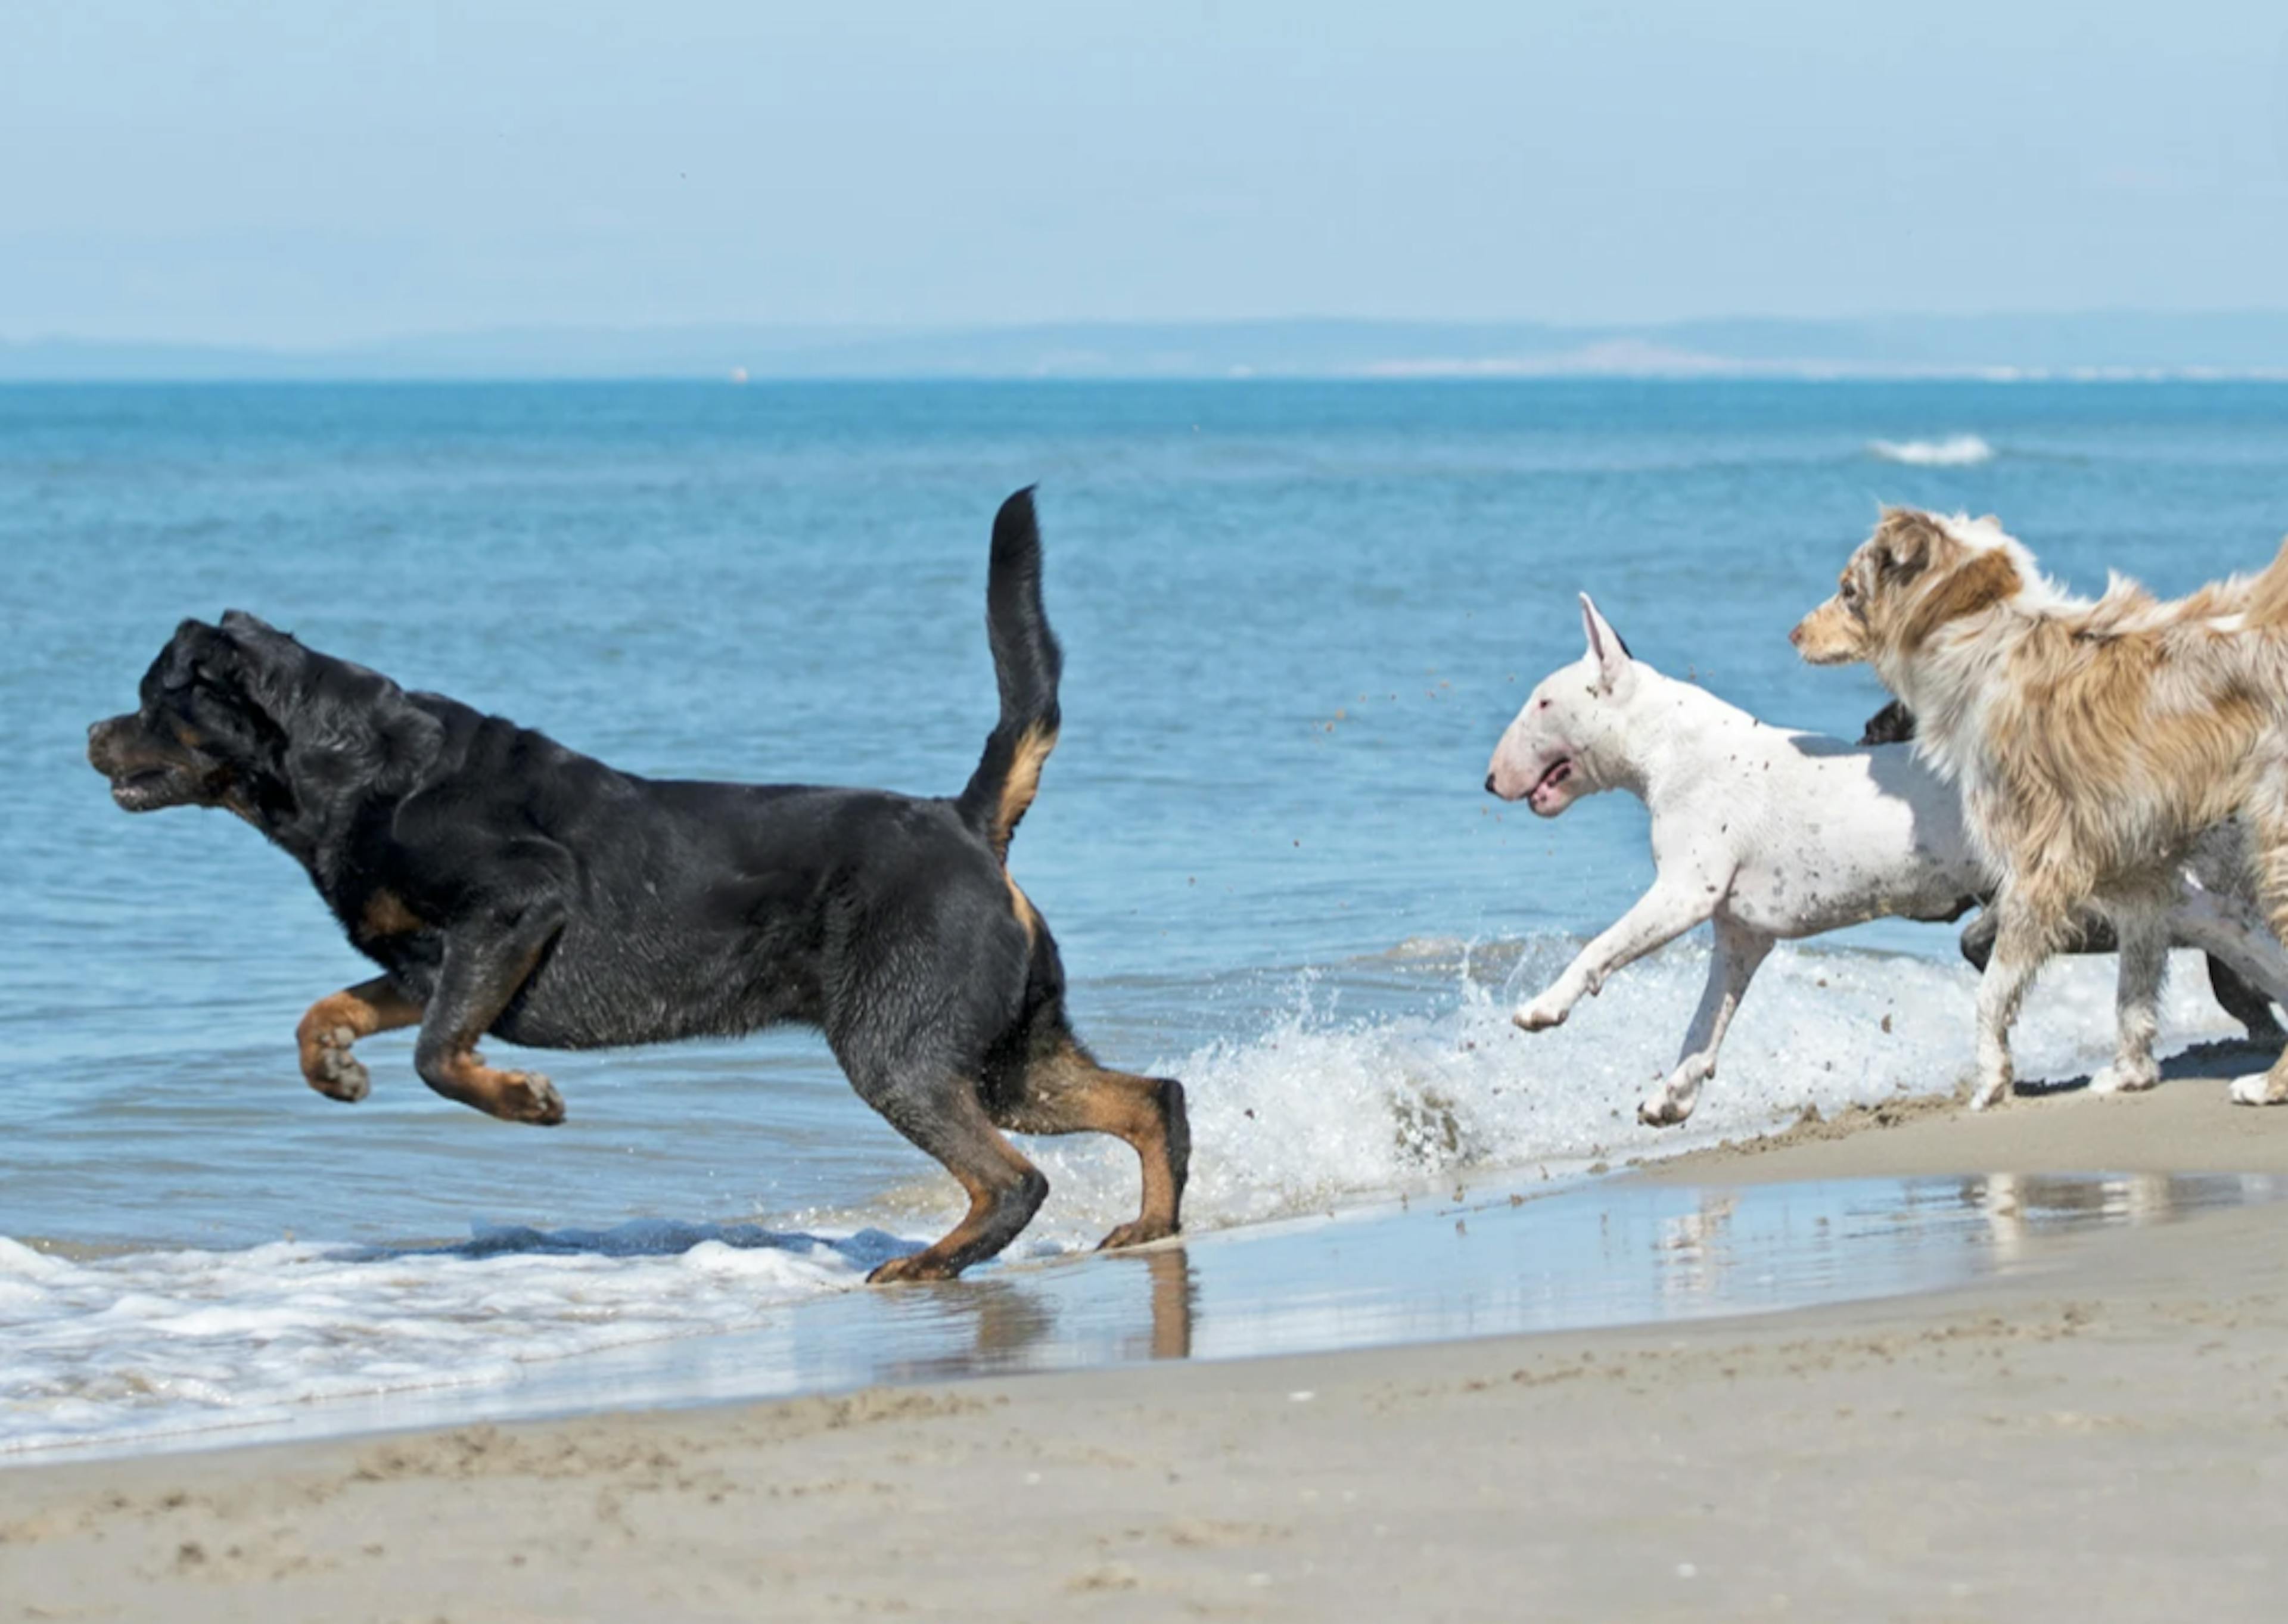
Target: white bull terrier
[{"x": 1775, "y": 835}]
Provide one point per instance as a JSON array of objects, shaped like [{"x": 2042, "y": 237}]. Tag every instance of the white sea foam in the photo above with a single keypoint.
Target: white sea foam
[
  {"x": 1321, "y": 1108},
  {"x": 153, "y": 1343},
  {"x": 1955, "y": 451}
]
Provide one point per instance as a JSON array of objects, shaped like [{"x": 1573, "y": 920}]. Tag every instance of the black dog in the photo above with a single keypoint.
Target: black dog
[
  {"x": 507, "y": 886},
  {"x": 1894, "y": 723}
]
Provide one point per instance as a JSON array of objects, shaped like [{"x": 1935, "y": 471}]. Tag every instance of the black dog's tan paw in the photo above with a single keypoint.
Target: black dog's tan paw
[
  {"x": 1136, "y": 1233},
  {"x": 914, "y": 1266},
  {"x": 328, "y": 1067},
  {"x": 527, "y": 1096}
]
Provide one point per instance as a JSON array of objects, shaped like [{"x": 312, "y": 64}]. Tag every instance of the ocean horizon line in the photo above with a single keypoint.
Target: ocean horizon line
[{"x": 2242, "y": 346}]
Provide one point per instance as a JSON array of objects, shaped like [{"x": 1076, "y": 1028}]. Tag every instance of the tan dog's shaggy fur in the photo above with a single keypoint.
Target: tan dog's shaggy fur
[{"x": 2091, "y": 741}]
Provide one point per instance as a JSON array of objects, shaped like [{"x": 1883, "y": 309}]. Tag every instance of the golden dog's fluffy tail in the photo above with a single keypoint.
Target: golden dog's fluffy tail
[{"x": 2267, "y": 594}]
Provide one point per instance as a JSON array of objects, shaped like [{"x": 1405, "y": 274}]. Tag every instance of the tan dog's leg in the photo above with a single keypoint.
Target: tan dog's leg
[
  {"x": 2029, "y": 925},
  {"x": 2268, "y": 854},
  {"x": 339, "y": 1020},
  {"x": 2142, "y": 929}
]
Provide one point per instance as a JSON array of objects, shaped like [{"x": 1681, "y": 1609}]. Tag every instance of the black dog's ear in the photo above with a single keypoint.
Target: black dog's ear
[
  {"x": 194, "y": 649},
  {"x": 1894, "y": 723},
  {"x": 251, "y": 656}
]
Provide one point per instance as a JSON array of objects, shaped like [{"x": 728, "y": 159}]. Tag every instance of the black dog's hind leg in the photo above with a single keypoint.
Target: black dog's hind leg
[
  {"x": 1062, "y": 1089},
  {"x": 485, "y": 963},
  {"x": 2250, "y": 1008},
  {"x": 939, "y": 1109}
]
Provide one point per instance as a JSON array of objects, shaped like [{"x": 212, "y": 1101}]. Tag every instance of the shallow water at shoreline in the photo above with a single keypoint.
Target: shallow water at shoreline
[{"x": 1593, "y": 1254}]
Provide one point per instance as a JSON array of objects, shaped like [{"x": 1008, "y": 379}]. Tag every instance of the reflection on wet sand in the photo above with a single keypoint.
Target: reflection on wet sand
[
  {"x": 995, "y": 1323},
  {"x": 2017, "y": 1207},
  {"x": 1603, "y": 1254}
]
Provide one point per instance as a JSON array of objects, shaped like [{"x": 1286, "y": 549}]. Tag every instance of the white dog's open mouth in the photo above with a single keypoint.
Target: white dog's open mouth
[{"x": 1548, "y": 788}]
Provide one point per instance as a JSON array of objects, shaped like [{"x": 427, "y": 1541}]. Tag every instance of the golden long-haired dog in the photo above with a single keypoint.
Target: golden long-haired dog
[{"x": 2093, "y": 741}]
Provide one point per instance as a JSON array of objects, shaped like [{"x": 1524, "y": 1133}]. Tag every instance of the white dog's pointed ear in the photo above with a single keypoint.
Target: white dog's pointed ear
[{"x": 1605, "y": 645}]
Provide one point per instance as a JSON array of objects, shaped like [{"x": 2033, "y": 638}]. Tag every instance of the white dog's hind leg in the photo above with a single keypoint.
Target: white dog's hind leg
[
  {"x": 1739, "y": 952},
  {"x": 2021, "y": 946},
  {"x": 2142, "y": 930},
  {"x": 1659, "y": 917},
  {"x": 2227, "y": 927}
]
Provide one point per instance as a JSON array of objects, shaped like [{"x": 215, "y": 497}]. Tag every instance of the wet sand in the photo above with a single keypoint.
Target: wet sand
[{"x": 2100, "y": 1431}]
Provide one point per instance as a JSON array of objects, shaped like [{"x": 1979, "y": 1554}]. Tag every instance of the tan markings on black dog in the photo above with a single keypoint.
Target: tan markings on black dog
[
  {"x": 513, "y": 1097},
  {"x": 339, "y": 1020},
  {"x": 1004, "y": 1190},
  {"x": 1066, "y": 1091},
  {"x": 1985, "y": 581},
  {"x": 1022, "y": 784},
  {"x": 1024, "y": 905},
  {"x": 385, "y": 914}
]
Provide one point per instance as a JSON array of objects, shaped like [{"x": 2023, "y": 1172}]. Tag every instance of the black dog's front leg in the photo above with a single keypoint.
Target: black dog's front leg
[{"x": 486, "y": 962}]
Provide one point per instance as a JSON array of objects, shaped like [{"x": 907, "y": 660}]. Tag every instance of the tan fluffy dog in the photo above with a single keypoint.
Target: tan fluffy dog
[{"x": 2093, "y": 741}]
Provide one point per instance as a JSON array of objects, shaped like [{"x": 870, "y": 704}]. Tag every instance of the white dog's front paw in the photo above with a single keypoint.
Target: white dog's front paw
[
  {"x": 1665, "y": 1109},
  {"x": 2120, "y": 1079},
  {"x": 1673, "y": 1101},
  {"x": 2258, "y": 1088},
  {"x": 1993, "y": 1089},
  {"x": 1543, "y": 1013}
]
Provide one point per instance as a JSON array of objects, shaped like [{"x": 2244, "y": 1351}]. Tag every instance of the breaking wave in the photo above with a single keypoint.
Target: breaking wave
[{"x": 1955, "y": 451}]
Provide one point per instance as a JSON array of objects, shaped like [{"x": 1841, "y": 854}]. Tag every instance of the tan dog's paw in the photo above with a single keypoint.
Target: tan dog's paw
[
  {"x": 2258, "y": 1089},
  {"x": 2126, "y": 1080}
]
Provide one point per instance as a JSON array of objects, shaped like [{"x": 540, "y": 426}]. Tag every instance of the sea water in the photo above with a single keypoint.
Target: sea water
[{"x": 1296, "y": 618}]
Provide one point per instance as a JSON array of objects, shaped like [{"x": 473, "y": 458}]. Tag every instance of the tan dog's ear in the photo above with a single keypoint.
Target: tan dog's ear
[
  {"x": 1605, "y": 645},
  {"x": 1906, "y": 544}
]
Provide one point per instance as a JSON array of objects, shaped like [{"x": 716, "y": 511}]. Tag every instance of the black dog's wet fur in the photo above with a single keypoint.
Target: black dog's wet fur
[
  {"x": 1894, "y": 723},
  {"x": 508, "y": 885}
]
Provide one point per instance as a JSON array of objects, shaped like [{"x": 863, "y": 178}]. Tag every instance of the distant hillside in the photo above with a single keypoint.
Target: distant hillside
[{"x": 2253, "y": 345}]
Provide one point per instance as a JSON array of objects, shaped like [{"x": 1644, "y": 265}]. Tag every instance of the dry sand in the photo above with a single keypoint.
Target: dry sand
[{"x": 2103, "y": 1437}]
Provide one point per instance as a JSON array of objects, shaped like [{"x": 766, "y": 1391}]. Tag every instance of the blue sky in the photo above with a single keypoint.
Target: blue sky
[{"x": 310, "y": 172}]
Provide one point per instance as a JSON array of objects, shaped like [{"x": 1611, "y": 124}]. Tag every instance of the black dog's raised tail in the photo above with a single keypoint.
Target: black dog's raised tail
[{"x": 1028, "y": 662}]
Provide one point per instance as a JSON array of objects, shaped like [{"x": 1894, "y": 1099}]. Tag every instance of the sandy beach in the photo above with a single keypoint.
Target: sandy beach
[{"x": 2100, "y": 1435}]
